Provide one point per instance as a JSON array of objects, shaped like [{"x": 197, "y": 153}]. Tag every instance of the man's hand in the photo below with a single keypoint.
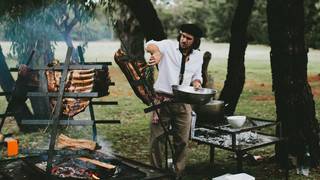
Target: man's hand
[
  {"x": 155, "y": 54},
  {"x": 154, "y": 59},
  {"x": 196, "y": 84}
]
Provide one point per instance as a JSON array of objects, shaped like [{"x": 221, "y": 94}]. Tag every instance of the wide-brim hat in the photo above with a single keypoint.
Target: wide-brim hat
[{"x": 192, "y": 29}]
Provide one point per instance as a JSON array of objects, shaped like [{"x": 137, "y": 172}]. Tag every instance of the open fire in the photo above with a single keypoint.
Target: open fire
[
  {"x": 80, "y": 168},
  {"x": 95, "y": 165}
]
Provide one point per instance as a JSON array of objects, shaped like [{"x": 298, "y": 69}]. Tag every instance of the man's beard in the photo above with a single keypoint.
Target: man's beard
[{"x": 185, "y": 49}]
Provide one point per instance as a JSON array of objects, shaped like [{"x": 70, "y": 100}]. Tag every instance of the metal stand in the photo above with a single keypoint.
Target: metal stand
[
  {"x": 55, "y": 118},
  {"x": 166, "y": 132},
  {"x": 217, "y": 133}
]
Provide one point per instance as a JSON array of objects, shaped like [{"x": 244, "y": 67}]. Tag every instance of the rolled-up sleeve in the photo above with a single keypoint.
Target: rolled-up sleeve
[
  {"x": 161, "y": 44},
  {"x": 198, "y": 75}
]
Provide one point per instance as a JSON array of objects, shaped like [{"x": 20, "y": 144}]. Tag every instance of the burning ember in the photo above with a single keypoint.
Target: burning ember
[
  {"x": 93, "y": 165},
  {"x": 81, "y": 168}
]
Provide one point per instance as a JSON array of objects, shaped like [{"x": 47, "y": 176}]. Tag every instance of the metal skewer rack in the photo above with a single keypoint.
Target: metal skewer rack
[{"x": 55, "y": 118}]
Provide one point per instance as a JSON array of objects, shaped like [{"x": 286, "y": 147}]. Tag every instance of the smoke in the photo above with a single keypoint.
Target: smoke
[{"x": 105, "y": 146}]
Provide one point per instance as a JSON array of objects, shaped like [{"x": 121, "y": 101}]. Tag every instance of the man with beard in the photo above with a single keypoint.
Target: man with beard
[{"x": 179, "y": 63}]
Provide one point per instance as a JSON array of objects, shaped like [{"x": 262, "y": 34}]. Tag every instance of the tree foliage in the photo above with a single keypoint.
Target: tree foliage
[
  {"x": 215, "y": 17},
  {"x": 38, "y": 24},
  {"x": 312, "y": 19}
]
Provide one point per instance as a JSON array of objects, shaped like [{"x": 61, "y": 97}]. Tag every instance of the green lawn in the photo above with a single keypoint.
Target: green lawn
[{"x": 130, "y": 138}]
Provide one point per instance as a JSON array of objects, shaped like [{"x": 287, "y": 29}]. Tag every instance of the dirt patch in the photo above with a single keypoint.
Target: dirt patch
[
  {"x": 314, "y": 81},
  {"x": 316, "y": 92},
  {"x": 263, "y": 98},
  {"x": 314, "y": 78},
  {"x": 252, "y": 84}
]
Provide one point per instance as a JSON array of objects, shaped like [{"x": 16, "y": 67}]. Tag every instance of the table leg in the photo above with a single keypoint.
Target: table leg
[
  {"x": 212, "y": 155},
  {"x": 239, "y": 161}
]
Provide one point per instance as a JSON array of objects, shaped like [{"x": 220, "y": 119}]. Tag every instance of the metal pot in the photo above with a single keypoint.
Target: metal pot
[
  {"x": 213, "y": 111},
  {"x": 189, "y": 95}
]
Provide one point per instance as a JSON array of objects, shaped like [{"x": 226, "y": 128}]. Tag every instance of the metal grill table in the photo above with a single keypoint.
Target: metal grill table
[{"x": 237, "y": 140}]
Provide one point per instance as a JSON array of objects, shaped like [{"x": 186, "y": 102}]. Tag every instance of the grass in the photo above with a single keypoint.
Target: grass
[{"x": 130, "y": 138}]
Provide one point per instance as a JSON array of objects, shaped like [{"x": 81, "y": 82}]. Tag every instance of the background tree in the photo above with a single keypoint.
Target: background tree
[
  {"x": 21, "y": 20},
  {"x": 177, "y": 12},
  {"x": 36, "y": 25},
  {"x": 235, "y": 79},
  {"x": 295, "y": 106},
  {"x": 312, "y": 18},
  {"x": 65, "y": 15},
  {"x": 135, "y": 21}
]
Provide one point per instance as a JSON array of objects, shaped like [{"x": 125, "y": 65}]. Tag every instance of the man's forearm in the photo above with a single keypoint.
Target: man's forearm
[
  {"x": 155, "y": 54},
  {"x": 152, "y": 48}
]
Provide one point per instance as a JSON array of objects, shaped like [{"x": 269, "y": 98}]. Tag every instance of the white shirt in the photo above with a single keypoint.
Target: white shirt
[{"x": 170, "y": 63}]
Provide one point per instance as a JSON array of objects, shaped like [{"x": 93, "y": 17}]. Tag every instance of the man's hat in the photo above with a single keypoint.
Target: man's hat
[{"x": 191, "y": 29}]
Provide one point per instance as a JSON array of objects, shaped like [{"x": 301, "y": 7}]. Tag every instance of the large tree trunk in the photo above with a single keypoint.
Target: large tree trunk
[
  {"x": 129, "y": 32},
  {"x": 137, "y": 20},
  {"x": 148, "y": 19},
  {"x": 234, "y": 82},
  {"x": 40, "y": 105},
  {"x": 293, "y": 96}
]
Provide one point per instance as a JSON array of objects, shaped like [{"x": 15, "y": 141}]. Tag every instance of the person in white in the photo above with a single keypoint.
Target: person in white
[{"x": 179, "y": 63}]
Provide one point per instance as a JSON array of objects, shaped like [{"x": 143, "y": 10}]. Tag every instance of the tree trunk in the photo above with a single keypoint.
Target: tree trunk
[
  {"x": 206, "y": 60},
  {"x": 40, "y": 105},
  {"x": 129, "y": 32},
  {"x": 68, "y": 39},
  {"x": 148, "y": 19},
  {"x": 136, "y": 20},
  {"x": 234, "y": 82},
  {"x": 295, "y": 106}
]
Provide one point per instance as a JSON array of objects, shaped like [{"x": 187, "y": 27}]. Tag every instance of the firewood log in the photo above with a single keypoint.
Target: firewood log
[
  {"x": 98, "y": 163},
  {"x": 64, "y": 141}
]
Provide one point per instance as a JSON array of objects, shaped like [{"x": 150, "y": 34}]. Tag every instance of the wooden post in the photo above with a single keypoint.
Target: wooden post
[
  {"x": 57, "y": 111},
  {"x": 206, "y": 60},
  {"x": 6, "y": 79},
  {"x": 8, "y": 85},
  {"x": 91, "y": 110}
]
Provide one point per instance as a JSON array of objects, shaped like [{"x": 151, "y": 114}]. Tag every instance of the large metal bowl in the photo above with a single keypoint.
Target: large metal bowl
[{"x": 190, "y": 95}]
